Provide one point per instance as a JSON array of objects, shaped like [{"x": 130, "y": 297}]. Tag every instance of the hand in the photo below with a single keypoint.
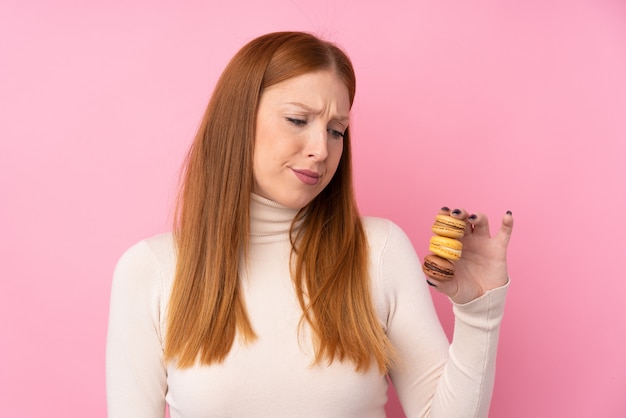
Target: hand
[{"x": 482, "y": 266}]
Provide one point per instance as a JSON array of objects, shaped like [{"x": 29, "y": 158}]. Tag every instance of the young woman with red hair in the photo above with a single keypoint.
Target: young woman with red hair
[{"x": 272, "y": 297}]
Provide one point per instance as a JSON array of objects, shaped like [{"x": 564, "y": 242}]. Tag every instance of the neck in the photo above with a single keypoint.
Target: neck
[{"x": 269, "y": 221}]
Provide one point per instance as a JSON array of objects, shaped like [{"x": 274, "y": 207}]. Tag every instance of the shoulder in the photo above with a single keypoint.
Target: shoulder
[
  {"x": 394, "y": 266},
  {"x": 391, "y": 251},
  {"x": 392, "y": 254},
  {"x": 139, "y": 297},
  {"x": 157, "y": 249},
  {"x": 163, "y": 249},
  {"x": 382, "y": 233},
  {"x": 149, "y": 261}
]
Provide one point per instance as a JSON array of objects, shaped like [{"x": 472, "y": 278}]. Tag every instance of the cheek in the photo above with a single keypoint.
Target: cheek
[
  {"x": 272, "y": 145},
  {"x": 260, "y": 162},
  {"x": 263, "y": 148},
  {"x": 335, "y": 154},
  {"x": 332, "y": 164}
]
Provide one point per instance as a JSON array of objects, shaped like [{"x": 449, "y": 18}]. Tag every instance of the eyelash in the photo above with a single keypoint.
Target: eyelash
[
  {"x": 300, "y": 122},
  {"x": 336, "y": 134},
  {"x": 297, "y": 122}
]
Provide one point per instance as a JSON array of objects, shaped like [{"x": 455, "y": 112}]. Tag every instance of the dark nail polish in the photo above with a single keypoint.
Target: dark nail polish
[
  {"x": 430, "y": 283},
  {"x": 472, "y": 217},
  {"x": 445, "y": 208},
  {"x": 456, "y": 212},
  {"x": 508, "y": 212}
]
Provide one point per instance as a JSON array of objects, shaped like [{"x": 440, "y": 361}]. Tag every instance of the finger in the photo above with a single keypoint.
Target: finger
[
  {"x": 506, "y": 229},
  {"x": 480, "y": 224},
  {"x": 459, "y": 214},
  {"x": 463, "y": 215},
  {"x": 449, "y": 288},
  {"x": 444, "y": 211}
]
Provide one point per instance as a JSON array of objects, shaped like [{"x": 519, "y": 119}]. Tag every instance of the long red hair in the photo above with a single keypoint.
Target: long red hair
[{"x": 206, "y": 310}]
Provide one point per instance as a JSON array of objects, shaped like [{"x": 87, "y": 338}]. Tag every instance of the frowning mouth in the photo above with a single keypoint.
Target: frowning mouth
[{"x": 307, "y": 176}]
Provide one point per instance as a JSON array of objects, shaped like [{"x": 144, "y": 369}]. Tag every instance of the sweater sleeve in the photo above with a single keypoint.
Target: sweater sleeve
[
  {"x": 432, "y": 377},
  {"x": 135, "y": 371}
]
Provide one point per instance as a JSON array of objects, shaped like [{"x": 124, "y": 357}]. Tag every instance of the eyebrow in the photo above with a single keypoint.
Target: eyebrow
[{"x": 338, "y": 118}]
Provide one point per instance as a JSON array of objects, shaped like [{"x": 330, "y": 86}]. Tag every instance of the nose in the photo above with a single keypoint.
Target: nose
[{"x": 317, "y": 145}]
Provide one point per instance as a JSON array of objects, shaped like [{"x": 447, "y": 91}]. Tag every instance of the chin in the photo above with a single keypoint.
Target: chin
[
  {"x": 290, "y": 197},
  {"x": 294, "y": 201}
]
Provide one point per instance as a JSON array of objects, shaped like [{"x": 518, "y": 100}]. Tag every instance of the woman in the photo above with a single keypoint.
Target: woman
[{"x": 273, "y": 298}]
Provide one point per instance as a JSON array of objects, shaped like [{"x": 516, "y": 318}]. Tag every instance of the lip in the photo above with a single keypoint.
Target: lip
[{"x": 307, "y": 176}]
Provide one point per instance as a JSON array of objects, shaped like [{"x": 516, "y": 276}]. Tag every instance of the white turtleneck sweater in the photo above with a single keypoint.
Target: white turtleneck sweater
[{"x": 275, "y": 376}]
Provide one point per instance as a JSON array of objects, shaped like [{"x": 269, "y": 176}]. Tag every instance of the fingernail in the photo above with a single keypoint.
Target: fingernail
[
  {"x": 508, "y": 212},
  {"x": 430, "y": 283},
  {"x": 445, "y": 208},
  {"x": 472, "y": 217},
  {"x": 456, "y": 212}
]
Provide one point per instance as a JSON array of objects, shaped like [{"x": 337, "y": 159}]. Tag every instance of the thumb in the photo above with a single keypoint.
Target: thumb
[{"x": 506, "y": 229}]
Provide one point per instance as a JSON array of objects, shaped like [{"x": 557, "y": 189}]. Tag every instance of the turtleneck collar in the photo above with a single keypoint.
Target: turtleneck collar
[{"x": 269, "y": 221}]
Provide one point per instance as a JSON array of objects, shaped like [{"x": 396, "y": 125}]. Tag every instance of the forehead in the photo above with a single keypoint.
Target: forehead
[{"x": 319, "y": 89}]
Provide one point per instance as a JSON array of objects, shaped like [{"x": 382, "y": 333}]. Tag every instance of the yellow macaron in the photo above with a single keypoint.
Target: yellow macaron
[
  {"x": 448, "y": 226},
  {"x": 446, "y": 247}
]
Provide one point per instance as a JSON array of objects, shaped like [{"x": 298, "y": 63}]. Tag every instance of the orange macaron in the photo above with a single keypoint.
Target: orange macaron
[
  {"x": 445, "y": 247},
  {"x": 448, "y": 226}
]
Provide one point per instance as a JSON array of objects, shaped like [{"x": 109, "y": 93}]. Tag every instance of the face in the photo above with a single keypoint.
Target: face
[{"x": 299, "y": 137}]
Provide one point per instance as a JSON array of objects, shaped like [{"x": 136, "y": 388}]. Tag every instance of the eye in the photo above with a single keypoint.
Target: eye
[
  {"x": 296, "y": 121},
  {"x": 336, "y": 134}
]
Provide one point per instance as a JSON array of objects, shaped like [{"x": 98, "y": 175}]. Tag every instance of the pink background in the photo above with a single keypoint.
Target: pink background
[{"x": 486, "y": 105}]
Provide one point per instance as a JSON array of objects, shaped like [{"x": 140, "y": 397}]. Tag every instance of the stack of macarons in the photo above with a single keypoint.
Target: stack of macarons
[{"x": 445, "y": 247}]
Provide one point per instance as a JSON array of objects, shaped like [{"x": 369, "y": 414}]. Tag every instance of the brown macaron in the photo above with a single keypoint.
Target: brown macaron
[{"x": 438, "y": 268}]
